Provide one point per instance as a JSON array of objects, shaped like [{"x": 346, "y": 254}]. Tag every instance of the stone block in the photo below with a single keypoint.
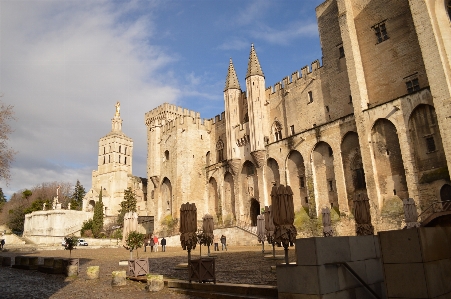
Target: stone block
[
  {"x": 332, "y": 250},
  {"x": 362, "y": 248},
  {"x": 33, "y": 260},
  {"x": 328, "y": 279},
  {"x": 374, "y": 272},
  {"x": 118, "y": 278},
  {"x": 435, "y": 244},
  {"x": 305, "y": 249},
  {"x": 155, "y": 283},
  {"x": 405, "y": 280},
  {"x": 297, "y": 279},
  {"x": 48, "y": 261},
  {"x": 438, "y": 277},
  {"x": 17, "y": 260},
  {"x": 92, "y": 272},
  {"x": 346, "y": 280},
  {"x": 400, "y": 246}
]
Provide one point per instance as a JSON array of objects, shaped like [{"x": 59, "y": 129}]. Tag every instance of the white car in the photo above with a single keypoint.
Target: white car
[{"x": 82, "y": 242}]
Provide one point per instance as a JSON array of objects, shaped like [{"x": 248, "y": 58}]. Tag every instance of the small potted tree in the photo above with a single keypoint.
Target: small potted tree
[
  {"x": 136, "y": 266},
  {"x": 71, "y": 266}
]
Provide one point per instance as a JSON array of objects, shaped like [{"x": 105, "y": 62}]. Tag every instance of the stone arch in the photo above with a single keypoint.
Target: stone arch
[
  {"x": 426, "y": 141},
  {"x": 249, "y": 185},
  {"x": 388, "y": 162},
  {"x": 229, "y": 194},
  {"x": 445, "y": 192},
  {"x": 272, "y": 175},
  {"x": 296, "y": 179},
  {"x": 324, "y": 176},
  {"x": 91, "y": 205},
  {"x": 166, "y": 197},
  {"x": 353, "y": 167},
  {"x": 214, "y": 204},
  {"x": 254, "y": 211}
]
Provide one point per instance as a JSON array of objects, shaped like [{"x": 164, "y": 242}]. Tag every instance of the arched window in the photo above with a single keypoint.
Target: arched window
[
  {"x": 125, "y": 152},
  {"x": 166, "y": 155},
  {"x": 125, "y": 160},
  {"x": 103, "y": 159},
  {"x": 220, "y": 150},
  {"x": 119, "y": 149},
  {"x": 277, "y": 130}
]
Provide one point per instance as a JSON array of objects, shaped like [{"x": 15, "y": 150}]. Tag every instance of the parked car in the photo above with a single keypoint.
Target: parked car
[{"x": 82, "y": 242}]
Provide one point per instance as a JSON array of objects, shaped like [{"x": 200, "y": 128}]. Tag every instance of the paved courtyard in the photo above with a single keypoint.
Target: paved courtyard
[{"x": 242, "y": 265}]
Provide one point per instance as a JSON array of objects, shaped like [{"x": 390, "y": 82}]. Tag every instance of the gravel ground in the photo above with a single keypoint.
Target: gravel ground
[{"x": 242, "y": 265}]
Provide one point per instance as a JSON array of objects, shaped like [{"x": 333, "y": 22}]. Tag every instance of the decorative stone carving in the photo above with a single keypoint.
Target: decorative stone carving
[
  {"x": 362, "y": 215},
  {"x": 410, "y": 213},
  {"x": 235, "y": 166},
  {"x": 259, "y": 158},
  {"x": 327, "y": 229}
]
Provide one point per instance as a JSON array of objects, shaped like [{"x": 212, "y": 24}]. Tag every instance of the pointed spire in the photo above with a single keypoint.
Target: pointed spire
[
  {"x": 232, "y": 79},
  {"x": 253, "y": 67}
]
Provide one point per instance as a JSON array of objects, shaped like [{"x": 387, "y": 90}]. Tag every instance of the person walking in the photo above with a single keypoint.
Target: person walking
[
  {"x": 216, "y": 242},
  {"x": 155, "y": 241},
  {"x": 163, "y": 244},
  {"x": 151, "y": 244},
  {"x": 223, "y": 242},
  {"x": 2, "y": 243}
]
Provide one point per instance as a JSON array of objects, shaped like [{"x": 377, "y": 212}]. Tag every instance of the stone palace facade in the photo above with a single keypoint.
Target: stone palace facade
[{"x": 372, "y": 117}]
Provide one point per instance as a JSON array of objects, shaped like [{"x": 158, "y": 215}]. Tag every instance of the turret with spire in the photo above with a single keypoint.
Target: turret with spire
[
  {"x": 232, "y": 92},
  {"x": 257, "y": 110}
]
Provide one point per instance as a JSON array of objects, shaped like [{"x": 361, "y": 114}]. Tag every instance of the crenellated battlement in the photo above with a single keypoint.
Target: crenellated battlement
[
  {"x": 218, "y": 119},
  {"x": 186, "y": 122},
  {"x": 305, "y": 74},
  {"x": 167, "y": 112}
]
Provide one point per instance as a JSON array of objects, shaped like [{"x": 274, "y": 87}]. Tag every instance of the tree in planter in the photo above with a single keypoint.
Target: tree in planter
[
  {"x": 134, "y": 241},
  {"x": 97, "y": 219},
  {"x": 70, "y": 242}
]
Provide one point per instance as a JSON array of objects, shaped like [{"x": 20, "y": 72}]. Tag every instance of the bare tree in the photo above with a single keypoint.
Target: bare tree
[{"x": 6, "y": 153}]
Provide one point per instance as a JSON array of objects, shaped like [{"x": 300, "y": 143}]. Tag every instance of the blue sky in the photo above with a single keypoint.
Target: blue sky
[{"x": 64, "y": 64}]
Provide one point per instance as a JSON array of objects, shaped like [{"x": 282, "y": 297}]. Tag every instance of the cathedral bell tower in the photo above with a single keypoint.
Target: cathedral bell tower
[
  {"x": 258, "y": 115},
  {"x": 232, "y": 92}
]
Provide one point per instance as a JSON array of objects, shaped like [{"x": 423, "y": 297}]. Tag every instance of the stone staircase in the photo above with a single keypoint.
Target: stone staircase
[{"x": 222, "y": 290}]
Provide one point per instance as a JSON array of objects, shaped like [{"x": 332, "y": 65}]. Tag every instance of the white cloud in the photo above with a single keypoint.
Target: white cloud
[
  {"x": 285, "y": 36},
  {"x": 63, "y": 65},
  {"x": 234, "y": 44}
]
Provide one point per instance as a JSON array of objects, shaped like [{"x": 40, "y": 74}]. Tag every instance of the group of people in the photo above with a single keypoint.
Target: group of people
[
  {"x": 222, "y": 239},
  {"x": 153, "y": 242}
]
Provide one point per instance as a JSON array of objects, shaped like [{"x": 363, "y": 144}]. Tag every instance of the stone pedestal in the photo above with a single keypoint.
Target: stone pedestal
[
  {"x": 71, "y": 267},
  {"x": 92, "y": 272},
  {"x": 155, "y": 282},
  {"x": 118, "y": 278}
]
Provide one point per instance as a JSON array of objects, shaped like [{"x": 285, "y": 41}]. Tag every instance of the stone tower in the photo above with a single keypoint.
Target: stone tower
[
  {"x": 114, "y": 168},
  {"x": 258, "y": 115},
  {"x": 232, "y": 92}
]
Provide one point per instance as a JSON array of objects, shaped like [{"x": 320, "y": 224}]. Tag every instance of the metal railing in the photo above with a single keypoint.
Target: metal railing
[
  {"x": 435, "y": 207},
  {"x": 357, "y": 277}
]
